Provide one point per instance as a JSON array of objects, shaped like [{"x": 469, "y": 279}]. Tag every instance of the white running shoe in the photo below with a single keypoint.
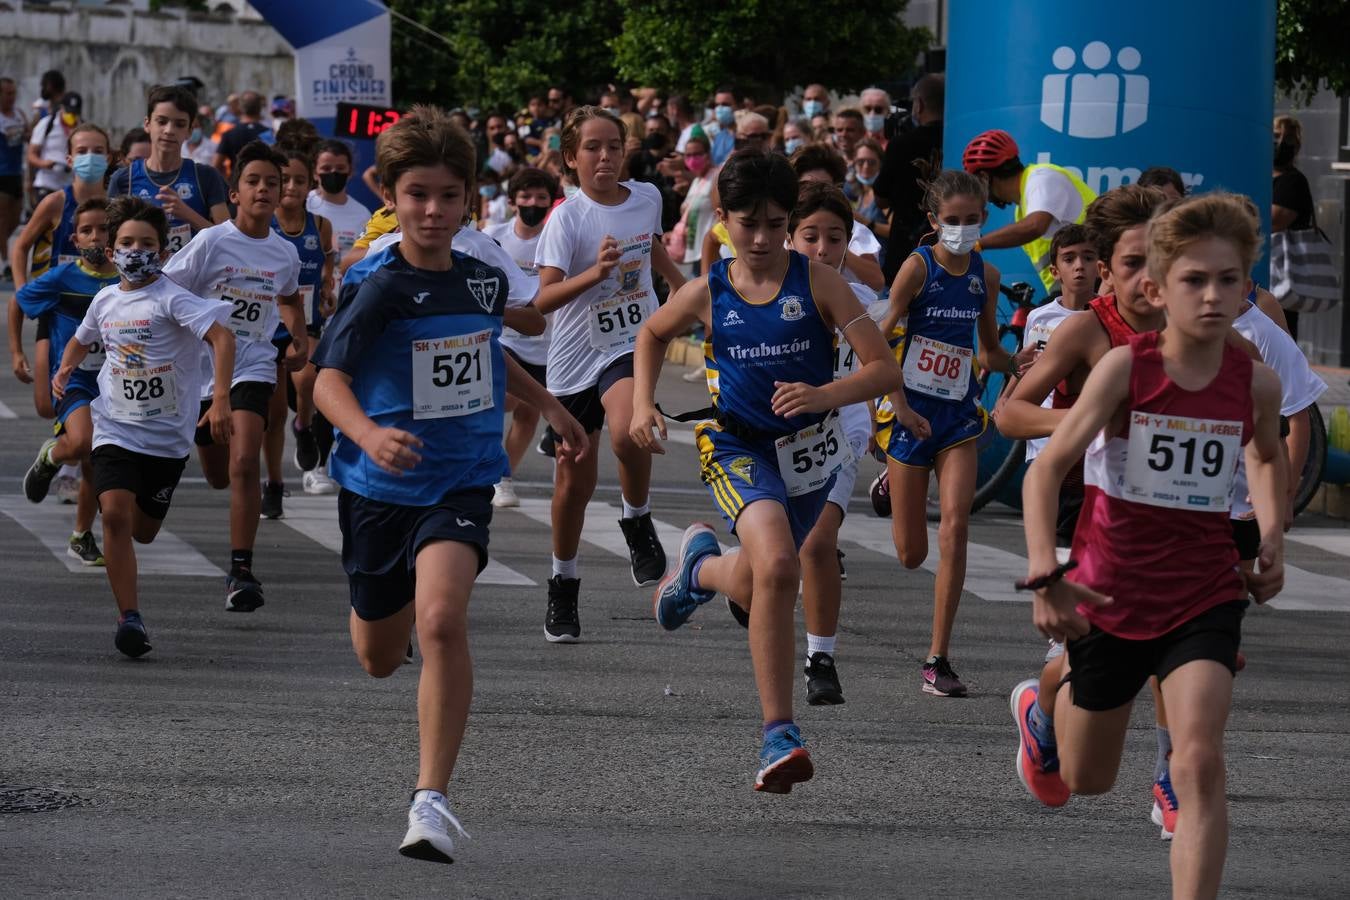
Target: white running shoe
[
  {"x": 316, "y": 481},
  {"x": 429, "y": 824},
  {"x": 66, "y": 488},
  {"x": 504, "y": 494}
]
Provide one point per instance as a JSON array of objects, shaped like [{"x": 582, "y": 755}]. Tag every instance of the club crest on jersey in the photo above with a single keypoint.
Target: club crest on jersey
[
  {"x": 184, "y": 190},
  {"x": 976, "y": 285},
  {"x": 484, "y": 290},
  {"x": 311, "y": 242},
  {"x": 790, "y": 308},
  {"x": 732, "y": 318},
  {"x": 743, "y": 467}
]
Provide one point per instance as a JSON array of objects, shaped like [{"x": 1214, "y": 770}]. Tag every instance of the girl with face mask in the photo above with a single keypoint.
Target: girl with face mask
[
  {"x": 696, "y": 212},
  {"x": 866, "y": 168}
]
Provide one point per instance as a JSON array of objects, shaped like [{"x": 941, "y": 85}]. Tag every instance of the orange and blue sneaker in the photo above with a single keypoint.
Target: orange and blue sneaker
[
  {"x": 1165, "y": 806},
  {"x": 1037, "y": 762},
  {"x": 783, "y": 761},
  {"x": 676, "y": 598}
]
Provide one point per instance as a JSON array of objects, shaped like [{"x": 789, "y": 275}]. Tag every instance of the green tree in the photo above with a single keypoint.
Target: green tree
[
  {"x": 493, "y": 53},
  {"x": 765, "y": 46},
  {"x": 1310, "y": 47}
]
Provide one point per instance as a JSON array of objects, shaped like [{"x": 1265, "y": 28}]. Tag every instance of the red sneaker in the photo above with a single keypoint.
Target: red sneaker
[
  {"x": 1037, "y": 769},
  {"x": 1164, "y": 807}
]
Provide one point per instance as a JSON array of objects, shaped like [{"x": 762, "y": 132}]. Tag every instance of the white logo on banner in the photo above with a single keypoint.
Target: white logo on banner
[{"x": 1094, "y": 104}]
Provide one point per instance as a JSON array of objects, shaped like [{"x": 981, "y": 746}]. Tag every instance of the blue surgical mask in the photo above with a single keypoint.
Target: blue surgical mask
[
  {"x": 867, "y": 180},
  {"x": 90, "y": 166},
  {"x": 613, "y": 111},
  {"x": 195, "y": 137},
  {"x": 488, "y": 190},
  {"x": 874, "y": 122},
  {"x": 812, "y": 108},
  {"x": 792, "y": 145},
  {"x": 726, "y": 116}
]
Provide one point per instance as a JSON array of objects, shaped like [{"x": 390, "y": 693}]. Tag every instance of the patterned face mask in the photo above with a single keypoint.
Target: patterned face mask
[
  {"x": 136, "y": 265},
  {"x": 94, "y": 256}
]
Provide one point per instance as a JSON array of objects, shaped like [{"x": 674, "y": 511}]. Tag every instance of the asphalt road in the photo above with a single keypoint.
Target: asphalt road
[{"x": 248, "y": 755}]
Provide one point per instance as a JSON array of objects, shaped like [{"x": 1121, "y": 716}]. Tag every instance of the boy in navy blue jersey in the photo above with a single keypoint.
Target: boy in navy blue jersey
[
  {"x": 413, "y": 378},
  {"x": 61, "y": 297}
]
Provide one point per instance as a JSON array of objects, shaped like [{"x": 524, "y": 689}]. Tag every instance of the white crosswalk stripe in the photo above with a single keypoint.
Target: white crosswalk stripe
[
  {"x": 6, "y": 412},
  {"x": 602, "y": 527},
  {"x": 317, "y": 519},
  {"x": 50, "y": 523}
]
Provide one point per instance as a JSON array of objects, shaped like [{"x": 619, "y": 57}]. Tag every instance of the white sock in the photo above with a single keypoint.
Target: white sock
[
  {"x": 427, "y": 794},
  {"x": 817, "y": 644},
  {"x": 506, "y": 480},
  {"x": 632, "y": 512},
  {"x": 567, "y": 568},
  {"x": 69, "y": 470}
]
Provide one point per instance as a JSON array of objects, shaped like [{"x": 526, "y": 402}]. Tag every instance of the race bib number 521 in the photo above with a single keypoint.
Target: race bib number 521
[
  {"x": 452, "y": 376},
  {"x": 1182, "y": 463}
]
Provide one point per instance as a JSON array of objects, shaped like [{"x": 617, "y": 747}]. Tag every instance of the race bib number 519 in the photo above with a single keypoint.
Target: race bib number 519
[
  {"x": 452, "y": 376},
  {"x": 1182, "y": 463}
]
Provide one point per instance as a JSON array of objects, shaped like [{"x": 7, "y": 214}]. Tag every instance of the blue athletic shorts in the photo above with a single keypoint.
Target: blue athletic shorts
[
  {"x": 380, "y": 543},
  {"x": 74, "y": 398},
  {"x": 739, "y": 472},
  {"x": 950, "y": 423}
]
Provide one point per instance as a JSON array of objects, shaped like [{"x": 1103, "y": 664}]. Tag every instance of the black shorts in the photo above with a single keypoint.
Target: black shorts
[
  {"x": 380, "y": 543},
  {"x": 248, "y": 396},
  {"x": 151, "y": 478},
  {"x": 586, "y": 406},
  {"x": 1247, "y": 536},
  {"x": 1106, "y": 672},
  {"x": 12, "y": 185},
  {"x": 536, "y": 371}
]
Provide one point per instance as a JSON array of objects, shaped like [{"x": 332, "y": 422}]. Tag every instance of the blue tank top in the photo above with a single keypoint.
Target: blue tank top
[
  {"x": 188, "y": 187},
  {"x": 11, "y": 144},
  {"x": 62, "y": 239},
  {"x": 309, "y": 244},
  {"x": 946, "y": 310},
  {"x": 755, "y": 344},
  {"x": 62, "y": 296}
]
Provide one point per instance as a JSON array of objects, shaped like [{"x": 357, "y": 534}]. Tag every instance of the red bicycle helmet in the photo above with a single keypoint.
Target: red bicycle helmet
[{"x": 988, "y": 150}]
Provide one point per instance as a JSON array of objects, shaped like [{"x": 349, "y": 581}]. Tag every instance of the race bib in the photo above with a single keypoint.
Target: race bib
[
  {"x": 179, "y": 234},
  {"x": 63, "y": 258},
  {"x": 807, "y": 459},
  {"x": 1182, "y": 463},
  {"x": 845, "y": 360},
  {"x": 937, "y": 369},
  {"x": 452, "y": 376},
  {"x": 138, "y": 395},
  {"x": 307, "y": 301},
  {"x": 249, "y": 317},
  {"x": 1038, "y": 336},
  {"x": 615, "y": 322},
  {"x": 93, "y": 360}
]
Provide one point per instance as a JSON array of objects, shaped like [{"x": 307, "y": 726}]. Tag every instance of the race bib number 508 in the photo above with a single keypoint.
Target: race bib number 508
[
  {"x": 1180, "y": 462},
  {"x": 452, "y": 376}
]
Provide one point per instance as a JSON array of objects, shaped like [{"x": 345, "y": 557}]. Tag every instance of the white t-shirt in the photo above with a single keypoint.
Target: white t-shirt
[
  {"x": 1052, "y": 192},
  {"x": 1299, "y": 385},
  {"x": 600, "y": 325},
  {"x": 51, "y": 137},
  {"x": 150, "y": 382},
  {"x": 862, "y": 242},
  {"x": 1041, "y": 323},
  {"x": 533, "y": 350},
  {"x": 223, "y": 263},
  {"x": 205, "y": 152},
  {"x": 348, "y": 219},
  {"x": 856, "y": 417}
]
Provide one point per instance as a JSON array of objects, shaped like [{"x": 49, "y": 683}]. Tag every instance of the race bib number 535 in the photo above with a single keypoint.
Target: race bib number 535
[
  {"x": 1182, "y": 463},
  {"x": 807, "y": 459},
  {"x": 452, "y": 376}
]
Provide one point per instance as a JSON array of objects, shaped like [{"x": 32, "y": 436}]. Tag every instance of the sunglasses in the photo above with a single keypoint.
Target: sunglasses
[{"x": 876, "y": 109}]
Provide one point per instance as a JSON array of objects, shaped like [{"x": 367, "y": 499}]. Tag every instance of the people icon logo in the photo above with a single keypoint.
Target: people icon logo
[{"x": 1094, "y": 104}]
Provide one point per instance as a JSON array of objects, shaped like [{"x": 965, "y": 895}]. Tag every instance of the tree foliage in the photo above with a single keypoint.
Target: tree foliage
[
  {"x": 766, "y": 46},
  {"x": 1311, "y": 49}
]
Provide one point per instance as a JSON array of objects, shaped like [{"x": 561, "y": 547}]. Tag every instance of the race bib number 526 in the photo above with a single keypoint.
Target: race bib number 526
[
  {"x": 1182, "y": 463},
  {"x": 452, "y": 376}
]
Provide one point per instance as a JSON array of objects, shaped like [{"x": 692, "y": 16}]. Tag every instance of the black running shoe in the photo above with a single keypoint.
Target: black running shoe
[
  {"x": 306, "y": 448},
  {"x": 739, "y": 613},
  {"x": 562, "y": 625},
  {"x": 645, "y": 553},
  {"x": 243, "y": 592},
  {"x": 843, "y": 576},
  {"x": 548, "y": 444},
  {"x": 273, "y": 492},
  {"x": 131, "y": 637},
  {"x": 822, "y": 681},
  {"x": 38, "y": 479}
]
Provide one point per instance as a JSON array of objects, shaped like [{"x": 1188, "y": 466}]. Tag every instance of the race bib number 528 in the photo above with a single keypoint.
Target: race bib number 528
[{"x": 452, "y": 376}]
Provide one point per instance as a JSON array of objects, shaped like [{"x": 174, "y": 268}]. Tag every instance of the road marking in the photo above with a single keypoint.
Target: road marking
[
  {"x": 1304, "y": 590},
  {"x": 1331, "y": 540},
  {"x": 602, "y": 527},
  {"x": 6, "y": 412},
  {"x": 50, "y": 523},
  {"x": 317, "y": 519}
]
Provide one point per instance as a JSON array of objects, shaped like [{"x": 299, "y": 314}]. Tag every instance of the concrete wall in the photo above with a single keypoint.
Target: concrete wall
[{"x": 112, "y": 57}]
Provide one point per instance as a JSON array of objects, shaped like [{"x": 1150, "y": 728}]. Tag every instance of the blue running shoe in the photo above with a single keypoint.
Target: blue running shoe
[
  {"x": 783, "y": 761},
  {"x": 675, "y": 601},
  {"x": 131, "y": 638}
]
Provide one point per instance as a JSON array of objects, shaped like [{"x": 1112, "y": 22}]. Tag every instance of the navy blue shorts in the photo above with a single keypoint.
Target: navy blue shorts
[
  {"x": 74, "y": 398},
  {"x": 739, "y": 472},
  {"x": 950, "y": 423},
  {"x": 380, "y": 543}
]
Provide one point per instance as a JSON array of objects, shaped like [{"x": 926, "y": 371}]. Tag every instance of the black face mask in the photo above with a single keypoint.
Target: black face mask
[
  {"x": 654, "y": 143},
  {"x": 1285, "y": 151},
  {"x": 532, "y": 215},
  {"x": 333, "y": 182}
]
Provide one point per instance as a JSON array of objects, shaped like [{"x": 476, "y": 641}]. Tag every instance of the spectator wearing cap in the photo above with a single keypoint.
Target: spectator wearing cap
[
  {"x": 283, "y": 108},
  {"x": 49, "y": 145}
]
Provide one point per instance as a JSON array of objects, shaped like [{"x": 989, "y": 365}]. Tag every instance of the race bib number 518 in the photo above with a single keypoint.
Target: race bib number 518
[
  {"x": 1182, "y": 463},
  {"x": 452, "y": 376}
]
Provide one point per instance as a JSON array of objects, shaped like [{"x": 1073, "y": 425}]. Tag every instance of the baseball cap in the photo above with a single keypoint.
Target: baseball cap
[{"x": 72, "y": 103}]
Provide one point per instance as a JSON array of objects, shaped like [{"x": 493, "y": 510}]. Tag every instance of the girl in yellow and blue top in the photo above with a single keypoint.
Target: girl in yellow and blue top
[
  {"x": 945, "y": 292},
  {"x": 771, "y": 455}
]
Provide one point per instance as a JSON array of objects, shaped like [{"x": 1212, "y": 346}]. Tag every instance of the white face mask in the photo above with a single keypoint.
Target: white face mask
[{"x": 960, "y": 238}]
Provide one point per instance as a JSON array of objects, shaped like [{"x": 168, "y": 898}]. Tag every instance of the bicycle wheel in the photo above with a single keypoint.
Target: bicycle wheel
[
  {"x": 1311, "y": 477},
  {"x": 999, "y": 457}
]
